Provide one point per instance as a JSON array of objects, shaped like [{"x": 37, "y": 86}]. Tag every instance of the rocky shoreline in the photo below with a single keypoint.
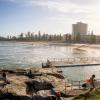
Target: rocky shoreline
[{"x": 21, "y": 85}]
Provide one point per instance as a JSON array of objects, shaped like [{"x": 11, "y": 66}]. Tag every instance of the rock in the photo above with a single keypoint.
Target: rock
[
  {"x": 35, "y": 85},
  {"x": 22, "y": 87}
]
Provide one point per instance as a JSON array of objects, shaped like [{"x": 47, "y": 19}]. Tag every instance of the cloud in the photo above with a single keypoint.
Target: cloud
[
  {"x": 66, "y": 6},
  {"x": 67, "y": 10},
  {"x": 53, "y": 5},
  {"x": 63, "y": 6},
  {"x": 85, "y": 2},
  {"x": 70, "y": 8}
]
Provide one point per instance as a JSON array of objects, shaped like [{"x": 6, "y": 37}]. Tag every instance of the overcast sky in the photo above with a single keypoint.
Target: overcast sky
[{"x": 50, "y": 16}]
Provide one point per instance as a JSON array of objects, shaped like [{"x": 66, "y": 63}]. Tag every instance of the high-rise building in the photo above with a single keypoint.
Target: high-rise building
[{"x": 79, "y": 29}]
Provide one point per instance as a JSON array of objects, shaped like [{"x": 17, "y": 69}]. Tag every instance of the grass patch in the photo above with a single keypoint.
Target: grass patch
[{"x": 88, "y": 96}]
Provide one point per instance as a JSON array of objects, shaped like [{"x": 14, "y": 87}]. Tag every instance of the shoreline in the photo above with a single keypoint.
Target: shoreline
[
  {"x": 48, "y": 82},
  {"x": 19, "y": 81},
  {"x": 87, "y": 47},
  {"x": 82, "y": 45}
]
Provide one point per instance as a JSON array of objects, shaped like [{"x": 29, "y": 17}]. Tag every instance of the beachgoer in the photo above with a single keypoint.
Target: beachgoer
[
  {"x": 30, "y": 73},
  {"x": 92, "y": 79},
  {"x": 4, "y": 77},
  {"x": 58, "y": 95},
  {"x": 48, "y": 63},
  {"x": 90, "y": 82}
]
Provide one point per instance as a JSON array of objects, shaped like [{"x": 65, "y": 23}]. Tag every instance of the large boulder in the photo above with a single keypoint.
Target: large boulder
[{"x": 34, "y": 86}]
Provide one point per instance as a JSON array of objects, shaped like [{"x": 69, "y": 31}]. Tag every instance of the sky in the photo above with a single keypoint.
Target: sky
[{"x": 49, "y": 16}]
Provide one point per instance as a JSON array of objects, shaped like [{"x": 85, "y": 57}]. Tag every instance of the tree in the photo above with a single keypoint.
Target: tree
[
  {"x": 39, "y": 35},
  {"x": 60, "y": 37},
  {"x": 28, "y": 34},
  {"x": 78, "y": 37},
  {"x": 69, "y": 37},
  {"x": 93, "y": 38},
  {"x": 21, "y": 36},
  {"x": 32, "y": 36}
]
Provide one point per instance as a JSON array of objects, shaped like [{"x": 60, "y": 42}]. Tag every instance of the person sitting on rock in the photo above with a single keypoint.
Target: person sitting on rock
[
  {"x": 58, "y": 95},
  {"x": 30, "y": 73},
  {"x": 5, "y": 78},
  {"x": 90, "y": 83}
]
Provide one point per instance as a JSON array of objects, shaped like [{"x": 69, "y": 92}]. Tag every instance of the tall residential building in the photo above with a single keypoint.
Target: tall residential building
[{"x": 79, "y": 28}]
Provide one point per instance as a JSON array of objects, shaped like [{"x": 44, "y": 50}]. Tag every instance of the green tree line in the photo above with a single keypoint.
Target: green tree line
[{"x": 34, "y": 37}]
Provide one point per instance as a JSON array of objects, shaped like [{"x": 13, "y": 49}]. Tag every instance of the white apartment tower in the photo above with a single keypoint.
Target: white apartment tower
[{"x": 79, "y": 28}]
